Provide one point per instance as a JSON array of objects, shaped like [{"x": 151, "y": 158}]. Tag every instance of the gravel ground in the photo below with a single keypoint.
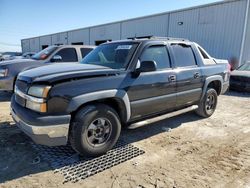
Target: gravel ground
[{"x": 184, "y": 151}]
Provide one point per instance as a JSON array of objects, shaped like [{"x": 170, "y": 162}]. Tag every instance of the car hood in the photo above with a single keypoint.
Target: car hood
[
  {"x": 240, "y": 73},
  {"x": 66, "y": 71},
  {"x": 14, "y": 61}
]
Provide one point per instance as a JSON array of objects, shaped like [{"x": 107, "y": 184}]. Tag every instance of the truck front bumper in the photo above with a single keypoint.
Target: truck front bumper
[{"x": 44, "y": 130}]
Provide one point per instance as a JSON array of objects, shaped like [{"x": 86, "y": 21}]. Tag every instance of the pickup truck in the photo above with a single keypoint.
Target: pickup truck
[
  {"x": 118, "y": 84},
  {"x": 52, "y": 54}
]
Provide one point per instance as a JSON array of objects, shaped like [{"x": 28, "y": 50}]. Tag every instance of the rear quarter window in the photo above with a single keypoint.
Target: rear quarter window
[{"x": 206, "y": 59}]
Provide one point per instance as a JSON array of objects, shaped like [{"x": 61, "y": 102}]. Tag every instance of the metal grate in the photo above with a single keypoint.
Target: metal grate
[{"x": 73, "y": 167}]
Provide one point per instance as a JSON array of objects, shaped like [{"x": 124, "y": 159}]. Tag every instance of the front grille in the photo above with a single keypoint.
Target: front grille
[
  {"x": 21, "y": 101},
  {"x": 22, "y": 86}
]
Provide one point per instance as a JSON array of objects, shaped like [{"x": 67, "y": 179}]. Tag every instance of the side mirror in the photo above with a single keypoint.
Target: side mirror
[
  {"x": 147, "y": 66},
  {"x": 56, "y": 58}
]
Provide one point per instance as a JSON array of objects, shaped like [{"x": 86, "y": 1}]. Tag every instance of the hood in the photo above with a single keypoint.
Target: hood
[
  {"x": 64, "y": 71},
  {"x": 241, "y": 73},
  {"x": 14, "y": 61}
]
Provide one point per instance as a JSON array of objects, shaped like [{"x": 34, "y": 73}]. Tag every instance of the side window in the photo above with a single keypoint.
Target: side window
[
  {"x": 158, "y": 54},
  {"x": 184, "y": 55},
  {"x": 68, "y": 55},
  {"x": 204, "y": 55},
  {"x": 85, "y": 51}
]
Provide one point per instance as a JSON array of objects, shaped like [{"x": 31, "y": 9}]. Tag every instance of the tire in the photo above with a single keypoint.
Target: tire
[
  {"x": 208, "y": 104},
  {"x": 95, "y": 129}
]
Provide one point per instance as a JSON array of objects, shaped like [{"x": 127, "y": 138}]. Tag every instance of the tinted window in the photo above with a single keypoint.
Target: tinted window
[
  {"x": 183, "y": 54},
  {"x": 85, "y": 51},
  {"x": 68, "y": 55},
  {"x": 158, "y": 54}
]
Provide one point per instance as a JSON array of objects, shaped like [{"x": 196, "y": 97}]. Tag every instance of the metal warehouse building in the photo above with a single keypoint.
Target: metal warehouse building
[{"x": 222, "y": 28}]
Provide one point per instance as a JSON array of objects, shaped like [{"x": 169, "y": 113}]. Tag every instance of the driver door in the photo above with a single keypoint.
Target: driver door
[{"x": 153, "y": 92}]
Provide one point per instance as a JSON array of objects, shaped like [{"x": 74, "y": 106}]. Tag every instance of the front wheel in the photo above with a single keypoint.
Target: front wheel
[
  {"x": 94, "y": 130},
  {"x": 208, "y": 104}
]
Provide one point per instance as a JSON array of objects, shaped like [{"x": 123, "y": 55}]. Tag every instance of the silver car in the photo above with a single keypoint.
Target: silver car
[{"x": 52, "y": 54}]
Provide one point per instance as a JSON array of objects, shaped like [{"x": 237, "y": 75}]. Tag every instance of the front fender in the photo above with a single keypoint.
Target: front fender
[{"x": 76, "y": 102}]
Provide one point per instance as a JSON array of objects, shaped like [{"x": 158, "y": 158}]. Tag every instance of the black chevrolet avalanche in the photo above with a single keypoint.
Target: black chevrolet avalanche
[{"x": 118, "y": 84}]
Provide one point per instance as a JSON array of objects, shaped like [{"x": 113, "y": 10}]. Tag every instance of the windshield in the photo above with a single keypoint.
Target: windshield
[
  {"x": 244, "y": 67},
  {"x": 44, "y": 53},
  {"x": 112, "y": 55}
]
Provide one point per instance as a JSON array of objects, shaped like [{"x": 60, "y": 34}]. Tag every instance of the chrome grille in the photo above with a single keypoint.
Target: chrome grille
[
  {"x": 21, "y": 101},
  {"x": 22, "y": 86}
]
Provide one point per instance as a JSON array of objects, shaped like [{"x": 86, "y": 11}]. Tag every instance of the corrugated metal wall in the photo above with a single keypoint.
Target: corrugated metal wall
[
  {"x": 217, "y": 28},
  {"x": 105, "y": 32},
  {"x": 25, "y": 45},
  {"x": 60, "y": 38},
  {"x": 81, "y": 35},
  {"x": 155, "y": 25},
  {"x": 45, "y": 40},
  {"x": 34, "y": 44}
]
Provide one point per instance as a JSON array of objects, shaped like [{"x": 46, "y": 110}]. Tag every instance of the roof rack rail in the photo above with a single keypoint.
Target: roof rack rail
[
  {"x": 156, "y": 37},
  {"x": 141, "y": 37}
]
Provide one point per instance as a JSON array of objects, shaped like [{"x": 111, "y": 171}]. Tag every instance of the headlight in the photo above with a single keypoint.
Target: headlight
[
  {"x": 3, "y": 72},
  {"x": 39, "y": 107},
  {"x": 39, "y": 91},
  {"x": 36, "y": 98}
]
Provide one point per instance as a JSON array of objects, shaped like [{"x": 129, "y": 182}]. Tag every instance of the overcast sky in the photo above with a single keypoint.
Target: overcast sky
[{"x": 29, "y": 18}]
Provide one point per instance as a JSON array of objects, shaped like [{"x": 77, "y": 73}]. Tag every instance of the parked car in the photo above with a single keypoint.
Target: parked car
[
  {"x": 118, "y": 84},
  {"x": 240, "y": 78},
  {"x": 28, "y": 55},
  {"x": 53, "y": 54},
  {"x": 10, "y": 55}
]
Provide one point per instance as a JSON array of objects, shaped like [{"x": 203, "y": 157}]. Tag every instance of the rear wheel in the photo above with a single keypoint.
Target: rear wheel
[
  {"x": 95, "y": 130},
  {"x": 208, "y": 104}
]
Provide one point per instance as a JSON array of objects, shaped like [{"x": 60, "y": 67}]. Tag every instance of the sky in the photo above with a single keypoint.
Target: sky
[{"x": 21, "y": 19}]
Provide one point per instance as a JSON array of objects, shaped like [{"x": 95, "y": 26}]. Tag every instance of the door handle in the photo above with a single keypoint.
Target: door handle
[
  {"x": 196, "y": 75},
  {"x": 172, "y": 78}
]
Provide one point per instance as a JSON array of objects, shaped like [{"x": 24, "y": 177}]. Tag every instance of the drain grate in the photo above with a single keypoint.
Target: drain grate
[{"x": 73, "y": 167}]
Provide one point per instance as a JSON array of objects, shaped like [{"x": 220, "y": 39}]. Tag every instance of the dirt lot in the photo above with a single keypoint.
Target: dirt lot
[{"x": 195, "y": 152}]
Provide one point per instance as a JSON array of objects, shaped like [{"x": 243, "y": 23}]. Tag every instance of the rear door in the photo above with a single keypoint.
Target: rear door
[
  {"x": 153, "y": 92},
  {"x": 188, "y": 74}
]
